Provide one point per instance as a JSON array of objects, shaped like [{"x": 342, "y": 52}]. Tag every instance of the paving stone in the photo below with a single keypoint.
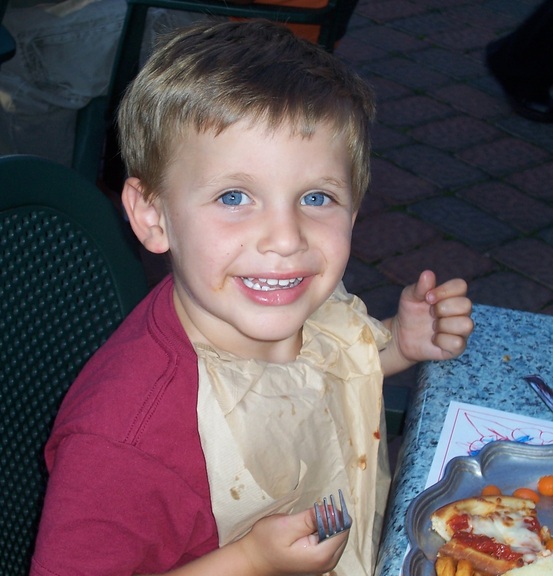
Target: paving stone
[
  {"x": 503, "y": 156},
  {"x": 354, "y": 50},
  {"x": 409, "y": 73},
  {"x": 452, "y": 64},
  {"x": 528, "y": 256},
  {"x": 462, "y": 39},
  {"x": 547, "y": 235},
  {"x": 539, "y": 134},
  {"x": 388, "y": 9},
  {"x": 508, "y": 289},
  {"x": 381, "y": 302},
  {"x": 390, "y": 233},
  {"x": 435, "y": 165},
  {"x": 437, "y": 4},
  {"x": 537, "y": 181},
  {"x": 361, "y": 276},
  {"x": 454, "y": 133},
  {"x": 384, "y": 137},
  {"x": 469, "y": 99},
  {"x": 510, "y": 205},
  {"x": 385, "y": 89},
  {"x": 372, "y": 204},
  {"x": 411, "y": 111},
  {"x": 389, "y": 40},
  {"x": 397, "y": 186},
  {"x": 514, "y": 10},
  {"x": 426, "y": 23},
  {"x": 447, "y": 258},
  {"x": 479, "y": 15},
  {"x": 464, "y": 221}
]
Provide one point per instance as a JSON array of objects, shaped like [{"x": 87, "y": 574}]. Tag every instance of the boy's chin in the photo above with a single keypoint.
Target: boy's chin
[{"x": 272, "y": 343}]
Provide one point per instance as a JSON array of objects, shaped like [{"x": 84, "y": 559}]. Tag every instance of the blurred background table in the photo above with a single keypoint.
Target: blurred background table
[{"x": 506, "y": 346}]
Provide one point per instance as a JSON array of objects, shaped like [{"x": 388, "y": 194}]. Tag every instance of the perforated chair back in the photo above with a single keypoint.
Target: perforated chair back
[{"x": 68, "y": 276}]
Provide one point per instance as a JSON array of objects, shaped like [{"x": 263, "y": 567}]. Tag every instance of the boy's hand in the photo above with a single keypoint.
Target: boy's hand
[
  {"x": 287, "y": 544},
  {"x": 278, "y": 545},
  {"x": 432, "y": 323}
]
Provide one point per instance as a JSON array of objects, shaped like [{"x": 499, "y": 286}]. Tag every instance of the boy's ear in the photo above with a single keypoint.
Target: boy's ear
[{"x": 146, "y": 218}]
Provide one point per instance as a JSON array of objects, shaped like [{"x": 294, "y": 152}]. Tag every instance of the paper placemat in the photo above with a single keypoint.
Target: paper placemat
[{"x": 468, "y": 428}]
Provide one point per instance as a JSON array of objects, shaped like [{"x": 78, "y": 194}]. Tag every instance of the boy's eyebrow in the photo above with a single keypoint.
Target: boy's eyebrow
[
  {"x": 238, "y": 176},
  {"x": 338, "y": 182},
  {"x": 244, "y": 176}
]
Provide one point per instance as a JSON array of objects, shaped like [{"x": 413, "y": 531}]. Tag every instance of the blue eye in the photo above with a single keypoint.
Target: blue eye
[
  {"x": 315, "y": 199},
  {"x": 234, "y": 198}
]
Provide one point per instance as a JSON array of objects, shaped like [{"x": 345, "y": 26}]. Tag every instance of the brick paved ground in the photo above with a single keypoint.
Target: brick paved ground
[{"x": 460, "y": 184}]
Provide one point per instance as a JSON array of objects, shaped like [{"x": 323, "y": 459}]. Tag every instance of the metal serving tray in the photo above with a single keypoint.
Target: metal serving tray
[{"x": 508, "y": 465}]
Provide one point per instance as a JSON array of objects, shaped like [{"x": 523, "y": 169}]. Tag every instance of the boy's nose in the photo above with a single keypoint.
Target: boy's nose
[{"x": 282, "y": 233}]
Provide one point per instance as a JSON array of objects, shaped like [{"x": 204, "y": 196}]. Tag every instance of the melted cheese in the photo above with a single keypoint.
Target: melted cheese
[{"x": 508, "y": 528}]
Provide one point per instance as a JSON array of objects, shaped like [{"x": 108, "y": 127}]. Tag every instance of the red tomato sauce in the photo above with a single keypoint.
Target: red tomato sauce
[
  {"x": 459, "y": 523},
  {"x": 488, "y": 546}
]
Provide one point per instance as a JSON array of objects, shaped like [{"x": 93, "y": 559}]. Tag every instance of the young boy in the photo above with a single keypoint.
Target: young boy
[{"x": 247, "y": 385}]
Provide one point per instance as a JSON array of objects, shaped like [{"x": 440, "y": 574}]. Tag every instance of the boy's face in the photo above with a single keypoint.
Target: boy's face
[{"x": 259, "y": 227}]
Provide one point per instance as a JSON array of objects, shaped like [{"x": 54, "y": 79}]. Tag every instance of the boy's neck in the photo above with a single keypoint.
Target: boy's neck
[{"x": 280, "y": 352}]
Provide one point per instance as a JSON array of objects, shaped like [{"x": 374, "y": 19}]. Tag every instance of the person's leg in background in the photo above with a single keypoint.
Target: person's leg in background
[
  {"x": 64, "y": 58},
  {"x": 522, "y": 63}
]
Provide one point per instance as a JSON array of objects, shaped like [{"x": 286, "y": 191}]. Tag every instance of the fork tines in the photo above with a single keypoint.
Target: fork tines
[{"x": 332, "y": 521}]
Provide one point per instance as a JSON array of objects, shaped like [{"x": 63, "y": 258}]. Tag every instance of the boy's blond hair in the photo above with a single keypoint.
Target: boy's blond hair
[{"x": 213, "y": 74}]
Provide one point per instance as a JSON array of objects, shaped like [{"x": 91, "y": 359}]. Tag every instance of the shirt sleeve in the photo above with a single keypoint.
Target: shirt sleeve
[{"x": 112, "y": 509}]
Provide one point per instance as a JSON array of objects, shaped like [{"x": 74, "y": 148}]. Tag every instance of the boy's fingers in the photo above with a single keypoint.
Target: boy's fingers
[
  {"x": 455, "y": 326},
  {"x": 425, "y": 283},
  {"x": 451, "y": 345},
  {"x": 454, "y": 306},
  {"x": 450, "y": 289}
]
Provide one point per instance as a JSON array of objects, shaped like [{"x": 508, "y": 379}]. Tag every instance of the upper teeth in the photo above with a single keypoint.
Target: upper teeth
[{"x": 271, "y": 283}]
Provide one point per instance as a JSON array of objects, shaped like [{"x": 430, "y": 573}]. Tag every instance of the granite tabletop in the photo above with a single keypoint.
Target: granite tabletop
[{"x": 506, "y": 345}]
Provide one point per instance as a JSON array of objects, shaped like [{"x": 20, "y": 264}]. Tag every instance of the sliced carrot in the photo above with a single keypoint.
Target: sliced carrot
[
  {"x": 545, "y": 485},
  {"x": 491, "y": 490},
  {"x": 527, "y": 493}
]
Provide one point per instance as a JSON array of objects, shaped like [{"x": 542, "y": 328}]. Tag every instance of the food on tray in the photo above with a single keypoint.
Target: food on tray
[
  {"x": 491, "y": 490},
  {"x": 527, "y": 493},
  {"x": 541, "y": 567},
  {"x": 491, "y": 536},
  {"x": 545, "y": 485}
]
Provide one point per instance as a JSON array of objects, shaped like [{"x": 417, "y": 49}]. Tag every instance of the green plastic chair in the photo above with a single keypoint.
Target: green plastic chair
[
  {"x": 97, "y": 118},
  {"x": 7, "y": 43},
  {"x": 68, "y": 276}
]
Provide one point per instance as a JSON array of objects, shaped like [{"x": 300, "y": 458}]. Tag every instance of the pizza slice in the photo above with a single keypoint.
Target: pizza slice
[{"x": 494, "y": 534}]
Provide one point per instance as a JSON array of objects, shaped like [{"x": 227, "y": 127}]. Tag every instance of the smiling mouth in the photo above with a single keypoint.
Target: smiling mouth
[{"x": 268, "y": 284}]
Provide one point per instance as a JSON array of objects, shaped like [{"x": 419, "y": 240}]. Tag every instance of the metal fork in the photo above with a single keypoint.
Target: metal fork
[
  {"x": 541, "y": 389},
  {"x": 332, "y": 521}
]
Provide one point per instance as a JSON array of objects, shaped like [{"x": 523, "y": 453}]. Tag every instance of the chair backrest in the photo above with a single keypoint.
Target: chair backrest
[
  {"x": 7, "y": 42},
  {"x": 68, "y": 276},
  {"x": 331, "y": 18},
  {"x": 3, "y": 8}
]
